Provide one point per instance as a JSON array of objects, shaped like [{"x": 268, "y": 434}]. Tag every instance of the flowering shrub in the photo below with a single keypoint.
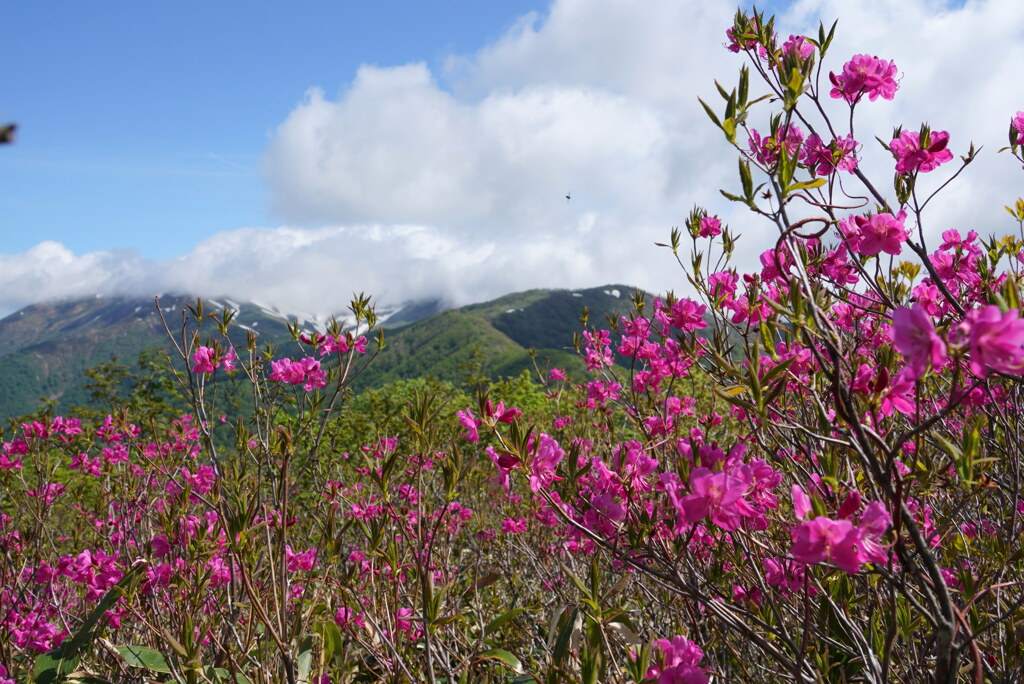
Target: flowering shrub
[
  {"x": 821, "y": 515},
  {"x": 807, "y": 472}
]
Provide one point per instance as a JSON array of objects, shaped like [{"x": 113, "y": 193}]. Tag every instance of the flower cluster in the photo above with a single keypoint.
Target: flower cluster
[
  {"x": 305, "y": 372},
  {"x": 865, "y": 75},
  {"x": 914, "y": 155}
]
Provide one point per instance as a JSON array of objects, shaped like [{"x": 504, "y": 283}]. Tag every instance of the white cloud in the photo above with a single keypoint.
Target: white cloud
[{"x": 412, "y": 184}]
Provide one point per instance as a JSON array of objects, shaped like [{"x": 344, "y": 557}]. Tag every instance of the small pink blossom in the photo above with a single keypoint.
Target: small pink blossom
[
  {"x": 865, "y": 75},
  {"x": 766, "y": 149},
  {"x": 202, "y": 360},
  {"x": 996, "y": 341},
  {"x": 823, "y": 160},
  {"x": 1018, "y": 126},
  {"x": 913, "y": 333},
  {"x": 912, "y": 156},
  {"x": 798, "y": 46},
  {"x": 545, "y": 459},
  {"x": 677, "y": 662},
  {"x": 305, "y": 560},
  {"x": 471, "y": 424},
  {"x": 345, "y": 616},
  {"x": 870, "y": 235},
  {"x": 801, "y": 502},
  {"x": 718, "y": 495},
  {"x": 710, "y": 226}
]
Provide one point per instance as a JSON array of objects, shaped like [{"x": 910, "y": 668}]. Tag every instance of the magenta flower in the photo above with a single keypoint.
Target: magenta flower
[
  {"x": 870, "y": 235},
  {"x": 865, "y": 75},
  {"x": 202, "y": 360},
  {"x": 766, "y": 150},
  {"x": 798, "y": 46},
  {"x": 678, "y": 662},
  {"x": 687, "y": 315},
  {"x": 345, "y": 615},
  {"x": 801, "y": 502},
  {"x": 471, "y": 424},
  {"x": 710, "y": 226},
  {"x": 506, "y": 463},
  {"x": 306, "y": 372},
  {"x": 606, "y": 512},
  {"x": 545, "y": 460},
  {"x": 900, "y": 395},
  {"x": 1018, "y": 125},
  {"x": 996, "y": 341},
  {"x": 913, "y": 333},
  {"x": 911, "y": 156},
  {"x": 304, "y": 560},
  {"x": 718, "y": 495},
  {"x": 824, "y": 539},
  {"x": 823, "y": 160}
]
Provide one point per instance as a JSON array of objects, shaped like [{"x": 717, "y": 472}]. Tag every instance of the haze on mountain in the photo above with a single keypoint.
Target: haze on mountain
[{"x": 46, "y": 349}]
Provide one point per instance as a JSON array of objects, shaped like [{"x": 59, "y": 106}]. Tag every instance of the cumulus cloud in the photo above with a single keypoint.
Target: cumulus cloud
[{"x": 412, "y": 183}]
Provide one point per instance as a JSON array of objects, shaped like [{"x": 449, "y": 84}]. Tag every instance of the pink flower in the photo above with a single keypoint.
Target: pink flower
[
  {"x": 1018, "y": 126},
  {"x": 687, "y": 315},
  {"x": 865, "y": 75},
  {"x": 678, "y": 662},
  {"x": 911, "y": 156},
  {"x": 471, "y": 424},
  {"x": 710, "y": 226},
  {"x": 996, "y": 341},
  {"x": 900, "y": 395},
  {"x": 823, "y": 160},
  {"x": 798, "y": 46},
  {"x": 801, "y": 502},
  {"x": 505, "y": 462},
  {"x": 870, "y": 235},
  {"x": 719, "y": 495},
  {"x": 304, "y": 560},
  {"x": 913, "y": 333},
  {"x": 606, "y": 512},
  {"x": 306, "y": 372},
  {"x": 556, "y": 374},
  {"x": 220, "y": 572},
  {"x": 513, "y": 526},
  {"x": 546, "y": 458},
  {"x": 841, "y": 542},
  {"x": 345, "y": 615},
  {"x": 202, "y": 360},
  {"x": 824, "y": 539},
  {"x": 767, "y": 150},
  {"x": 723, "y": 284}
]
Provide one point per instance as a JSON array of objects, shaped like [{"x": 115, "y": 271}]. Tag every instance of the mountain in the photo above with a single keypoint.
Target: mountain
[
  {"x": 493, "y": 339},
  {"x": 45, "y": 349}
]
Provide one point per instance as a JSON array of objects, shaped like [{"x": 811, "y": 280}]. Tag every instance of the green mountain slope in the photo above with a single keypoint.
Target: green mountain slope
[
  {"x": 45, "y": 349},
  {"x": 494, "y": 339}
]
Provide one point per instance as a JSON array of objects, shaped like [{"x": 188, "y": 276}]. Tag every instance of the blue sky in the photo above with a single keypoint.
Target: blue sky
[
  {"x": 423, "y": 149},
  {"x": 143, "y": 124}
]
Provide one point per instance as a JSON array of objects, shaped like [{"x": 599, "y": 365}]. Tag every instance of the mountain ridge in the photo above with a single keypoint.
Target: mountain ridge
[{"x": 46, "y": 348}]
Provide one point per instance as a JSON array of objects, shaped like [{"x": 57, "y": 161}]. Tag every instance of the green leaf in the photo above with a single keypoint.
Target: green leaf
[
  {"x": 503, "y": 656},
  {"x": 710, "y": 112},
  {"x": 305, "y": 659},
  {"x": 729, "y": 126},
  {"x": 497, "y": 623},
  {"x": 146, "y": 658},
  {"x": 806, "y": 185}
]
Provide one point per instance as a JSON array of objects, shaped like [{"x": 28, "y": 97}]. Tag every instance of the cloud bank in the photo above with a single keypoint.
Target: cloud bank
[{"x": 411, "y": 183}]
